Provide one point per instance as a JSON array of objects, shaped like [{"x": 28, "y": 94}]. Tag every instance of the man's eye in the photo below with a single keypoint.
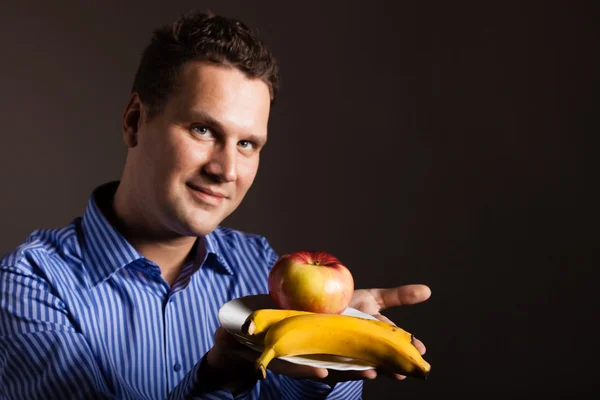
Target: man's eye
[
  {"x": 202, "y": 131},
  {"x": 246, "y": 145}
]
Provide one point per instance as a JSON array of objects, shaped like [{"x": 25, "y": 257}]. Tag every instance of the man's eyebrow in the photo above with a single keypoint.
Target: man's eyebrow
[
  {"x": 203, "y": 117},
  {"x": 259, "y": 140}
]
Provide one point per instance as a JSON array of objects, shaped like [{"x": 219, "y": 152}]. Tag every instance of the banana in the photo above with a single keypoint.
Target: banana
[
  {"x": 341, "y": 335},
  {"x": 259, "y": 322}
]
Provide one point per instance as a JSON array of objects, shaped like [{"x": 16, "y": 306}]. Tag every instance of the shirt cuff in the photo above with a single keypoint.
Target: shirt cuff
[
  {"x": 202, "y": 382},
  {"x": 303, "y": 389}
]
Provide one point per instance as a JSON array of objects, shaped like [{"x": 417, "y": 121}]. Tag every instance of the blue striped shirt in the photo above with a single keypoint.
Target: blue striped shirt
[{"x": 83, "y": 315}]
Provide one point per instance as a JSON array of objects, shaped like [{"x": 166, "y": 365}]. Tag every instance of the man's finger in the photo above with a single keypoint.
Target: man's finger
[
  {"x": 391, "y": 375},
  {"x": 419, "y": 345},
  {"x": 344, "y": 376},
  {"x": 297, "y": 371},
  {"x": 401, "y": 295},
  {"x": 383, "y": 318}
]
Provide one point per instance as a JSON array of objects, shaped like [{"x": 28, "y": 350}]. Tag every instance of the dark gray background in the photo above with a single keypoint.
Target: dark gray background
[{"x": 445, "y": 143}]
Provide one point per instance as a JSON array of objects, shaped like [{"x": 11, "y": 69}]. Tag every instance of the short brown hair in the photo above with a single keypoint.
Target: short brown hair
[{"x": 199, "y": 36}]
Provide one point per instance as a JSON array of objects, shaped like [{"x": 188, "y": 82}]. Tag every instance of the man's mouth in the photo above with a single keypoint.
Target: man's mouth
[{"x": 206, "y": 195}]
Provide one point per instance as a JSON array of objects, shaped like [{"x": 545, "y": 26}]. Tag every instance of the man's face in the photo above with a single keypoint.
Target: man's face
[{"x": 195, "y": 161}]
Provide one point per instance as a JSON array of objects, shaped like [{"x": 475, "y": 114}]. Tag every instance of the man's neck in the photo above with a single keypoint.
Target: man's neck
[
  {"x": 171, "y": 257},
  {"x": 171, "y": 254}
]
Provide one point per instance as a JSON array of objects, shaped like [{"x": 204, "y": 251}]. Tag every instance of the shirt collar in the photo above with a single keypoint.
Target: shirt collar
[
  {"x": 214, "y": 252},
  {"x": 106, "y": 251}
]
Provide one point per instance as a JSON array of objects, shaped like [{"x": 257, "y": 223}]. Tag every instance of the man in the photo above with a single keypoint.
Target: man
[{"x": 122, "y": 303}]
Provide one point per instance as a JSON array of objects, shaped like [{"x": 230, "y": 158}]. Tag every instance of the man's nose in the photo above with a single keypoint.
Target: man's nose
[{"x": 222, "y": 164}]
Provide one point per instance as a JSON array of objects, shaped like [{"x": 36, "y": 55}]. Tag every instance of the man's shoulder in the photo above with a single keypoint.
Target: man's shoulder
[
  {"x": 242, "y": 252},
  {"x": 235, "y": 243},
  {"x": 235, "y": 238},
  {"x": 41, "y": 245}
]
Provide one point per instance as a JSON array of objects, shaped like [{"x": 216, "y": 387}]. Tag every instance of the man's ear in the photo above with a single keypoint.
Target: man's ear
[{"x": 132, "y": 120}]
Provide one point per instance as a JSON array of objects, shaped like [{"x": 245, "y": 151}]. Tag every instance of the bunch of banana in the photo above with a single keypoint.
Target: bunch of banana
[
  {"x": 259, "y": 321},
  {"x": 293, "y": 333}
]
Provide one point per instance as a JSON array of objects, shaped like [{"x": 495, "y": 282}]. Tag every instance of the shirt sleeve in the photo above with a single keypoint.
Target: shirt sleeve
[
  {"x": 294, "y": 389},
  {"x": 41, "y": 354}
]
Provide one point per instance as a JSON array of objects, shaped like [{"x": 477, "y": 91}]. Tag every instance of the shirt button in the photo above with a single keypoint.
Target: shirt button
[{"x": 177, "y": 367}]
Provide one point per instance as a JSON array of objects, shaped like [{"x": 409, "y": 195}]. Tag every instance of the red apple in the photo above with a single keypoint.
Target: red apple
[{"x": 311, "y": 281}]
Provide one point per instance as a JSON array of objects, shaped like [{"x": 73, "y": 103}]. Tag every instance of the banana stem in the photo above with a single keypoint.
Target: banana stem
[
  {"x": 263, "y": 361},
  {"x": 248, "y": 327}
]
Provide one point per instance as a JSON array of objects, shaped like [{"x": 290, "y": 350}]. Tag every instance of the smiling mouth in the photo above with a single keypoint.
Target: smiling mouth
[
  {"x": 206, "y": 190},
  {"x": 205, "y": 195}
]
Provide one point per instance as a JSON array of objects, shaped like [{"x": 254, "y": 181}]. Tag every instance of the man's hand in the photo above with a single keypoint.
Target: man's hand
[
  {"x": 374, "y": 301},
  {"x": 232, "y": 363},
  {"x": 236, "y": 361}
]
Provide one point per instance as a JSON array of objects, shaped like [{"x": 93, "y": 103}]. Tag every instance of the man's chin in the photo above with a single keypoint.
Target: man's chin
[
  {"x": 199, "y": 229},
  {"x": 201, "y": 222},
  {"x": 202, "y": 226}
]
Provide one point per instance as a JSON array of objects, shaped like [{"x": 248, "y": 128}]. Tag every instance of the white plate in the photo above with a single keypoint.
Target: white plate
[{"x": 233, "y": 314}]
